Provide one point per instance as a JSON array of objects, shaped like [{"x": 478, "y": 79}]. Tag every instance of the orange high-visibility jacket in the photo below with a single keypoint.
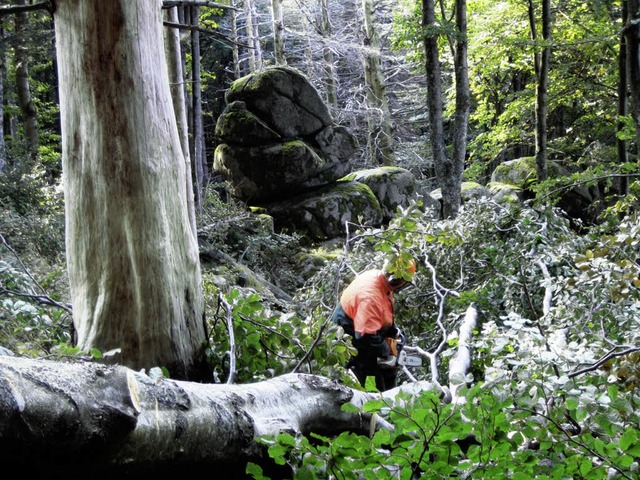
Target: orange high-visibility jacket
[{"x": 369, "y": 302}]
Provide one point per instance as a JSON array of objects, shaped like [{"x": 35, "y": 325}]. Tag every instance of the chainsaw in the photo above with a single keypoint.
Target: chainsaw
[{"x": 401, "y": 358}]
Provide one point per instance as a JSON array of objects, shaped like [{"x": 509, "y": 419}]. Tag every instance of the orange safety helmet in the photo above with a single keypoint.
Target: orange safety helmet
[{"x": 401, "y": 267}]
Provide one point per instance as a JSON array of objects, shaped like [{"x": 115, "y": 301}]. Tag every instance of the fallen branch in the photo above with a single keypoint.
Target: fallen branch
[
  {"x": 460, "y": 363},
  {"x": 110, "y": 418}
]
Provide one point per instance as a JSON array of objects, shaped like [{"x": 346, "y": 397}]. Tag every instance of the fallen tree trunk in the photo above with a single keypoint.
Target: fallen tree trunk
[{"x": 113, "y": 420}]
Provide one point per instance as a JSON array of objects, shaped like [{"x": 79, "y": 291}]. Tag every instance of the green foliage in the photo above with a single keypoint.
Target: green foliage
[
  {"x": 532, "y": 411},
  {"x": 27, "y": 325},
  {"x": 268, "y": 343}
]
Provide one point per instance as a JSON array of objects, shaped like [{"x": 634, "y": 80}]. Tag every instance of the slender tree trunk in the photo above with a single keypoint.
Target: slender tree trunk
[
  {"x": 308, "y": 52},
  {"x": 380, "y": 140},
  {"x": 173, "y": 53},
  {"x": 445, "y": 170},
  {"x": 133, "y": 263},
  {"x": 632, "y": 37},
  {"x": 461, "y": 117},
  {"x": 327, "y": 55},
  {"x": 3, "y": 70},
  {"x": 623, "y": 100},
  {"x": 278, "y": 32},
  {"x": 253, "y": 37},
  {"x": 23, "y": 87},
  {"x": 198, "y": 152},
  {"x": 541, "y": 63},
  {"x": 235, "y": 40}
]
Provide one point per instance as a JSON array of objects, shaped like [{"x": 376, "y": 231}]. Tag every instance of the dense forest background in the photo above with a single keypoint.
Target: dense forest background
[{"x": 555, "y": 371}]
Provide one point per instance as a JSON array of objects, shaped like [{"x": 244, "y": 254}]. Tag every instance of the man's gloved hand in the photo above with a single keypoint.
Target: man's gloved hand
[
  {"x": 392, "y": 343},
  {"x": 388, "y": 362}
]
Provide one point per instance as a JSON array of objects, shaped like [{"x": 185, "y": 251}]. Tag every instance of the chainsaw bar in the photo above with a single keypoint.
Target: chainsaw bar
[{"x": 405, "y": 360}]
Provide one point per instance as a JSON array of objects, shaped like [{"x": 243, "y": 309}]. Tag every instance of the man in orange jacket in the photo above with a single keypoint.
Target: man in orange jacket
[{"x": 365, "y": 311}]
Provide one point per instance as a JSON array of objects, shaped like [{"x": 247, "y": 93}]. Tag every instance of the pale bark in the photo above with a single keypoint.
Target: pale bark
[
  {"x": 133, "y": 263},
  {"x": 173, "y": 52},
  {"x": 461, "y": 361},
  {"x": 253, "y": 37},
  {"x": 278, "y": 32},
  {"x": 234, "y": 43},
  {"x": 86, "y": 414},
  {"x": 327, "y": 55},
  {"x": 380, "y": 140},
  {"x": 198, "y": 160}
]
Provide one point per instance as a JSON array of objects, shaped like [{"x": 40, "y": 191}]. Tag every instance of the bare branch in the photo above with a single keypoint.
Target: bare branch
[
  {"x": 196, "y": 3},
  {"x": 11, "y": 9},
  {"x": 232, "y": 341},
  {"x": 613, "y": 353},
  {"x": 460, "y": 363}
]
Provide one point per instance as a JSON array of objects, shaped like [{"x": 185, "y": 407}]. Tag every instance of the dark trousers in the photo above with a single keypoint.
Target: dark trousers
[
  {"x": 365, "y": 364},
  {"x": 370, "y": 347}
]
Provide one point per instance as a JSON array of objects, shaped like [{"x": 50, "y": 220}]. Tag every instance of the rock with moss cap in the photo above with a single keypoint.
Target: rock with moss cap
[
  {"x": 277, "y": 137},
  {"x": 322, "y": 213},
  {"x": 284, "y": 99},
  {"x": 393, "y": 187}
]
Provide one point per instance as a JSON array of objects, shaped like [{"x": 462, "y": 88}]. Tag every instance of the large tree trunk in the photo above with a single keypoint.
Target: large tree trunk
[
  {"x": 132, "y": 257},
  {"x": 113, "y": 420}
]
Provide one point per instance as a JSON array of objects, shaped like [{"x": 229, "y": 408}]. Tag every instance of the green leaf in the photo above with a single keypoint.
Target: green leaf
[{"x": 628, "y": 438}]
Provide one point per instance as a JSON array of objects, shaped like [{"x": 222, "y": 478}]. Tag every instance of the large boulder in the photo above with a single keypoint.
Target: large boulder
[
  {"x": 323, "y": 212},
  {"x": 393, "y": 187},
  {"x": 271, "y": 172},
  {"x": 239, "y": 126},
  {"x": 468, "y": 191},
  {"x": 284, "y": 99},
  {"x": 577, "y": 201},
  {"x": 278, "y": 138}
]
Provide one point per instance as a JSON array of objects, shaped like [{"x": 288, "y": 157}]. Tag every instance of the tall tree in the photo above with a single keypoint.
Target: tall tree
[
  {"x": 198, "y": 150},
  {"x": 327, "y": 54},
  {"x": 463, "y": 101},
  {"x": 175, "y": 63},
  {"x": 623, "y": 100},
  {"x": 235, "y": 53},
  {"x": 133, "y": 263},
  {"x": 632, "y": 38},
  {"x": 541, "y": 63},
  {"x": 3, "y": 70},
  {"x": 278, "y": 32},
  {"x": 380, "y": 140},
  {"x": 448, "y": 169},
  {"x": 253, "y": 36},
  {"x": 23, "y": 87}
]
